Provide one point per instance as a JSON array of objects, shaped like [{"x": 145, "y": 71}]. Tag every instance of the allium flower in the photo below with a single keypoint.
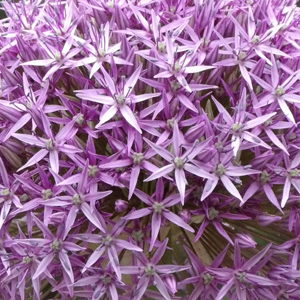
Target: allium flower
[
  {"x": 150, "y": 150},
  {"x": 150, "y": 272}
]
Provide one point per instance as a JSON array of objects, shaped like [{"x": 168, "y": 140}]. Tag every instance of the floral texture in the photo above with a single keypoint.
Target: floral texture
[{"x": 150, "y": 150}]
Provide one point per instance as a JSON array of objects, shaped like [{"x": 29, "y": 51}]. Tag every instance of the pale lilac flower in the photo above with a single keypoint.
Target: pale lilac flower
[
  {"x": 50, "y": 145},
  {"x": 159, "y": 208},
  {"x": 120, "y": 99},
  {"x": 151, "y": 273},
  {"x": 179, "y": 162},
  {"x": 109, "y": 243}
]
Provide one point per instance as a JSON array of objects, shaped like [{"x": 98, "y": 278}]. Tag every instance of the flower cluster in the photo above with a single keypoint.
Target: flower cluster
[{"x": 150, "y": 150}]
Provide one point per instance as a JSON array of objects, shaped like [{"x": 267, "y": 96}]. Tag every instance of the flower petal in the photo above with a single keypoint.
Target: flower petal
[{"x": 130, "y": 117}]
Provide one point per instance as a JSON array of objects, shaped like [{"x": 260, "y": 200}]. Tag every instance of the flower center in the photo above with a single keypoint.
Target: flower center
[
  {"x": 158, "y": 207},
  {"x": 207, "y": 278},
  {"x": 177, "y": 67},
  {"x": 46, "y": 194},
  {"x": 161, "y": 46},
  {"x": 5, "y": 192},
  {"x": 242, "y": 55},
  {"x": 236, "y": 127},
  {"x": 92, "y": 171},
  {"x": 241, "y": 276},
  {"x": 220, "y": 170},
  {"x": 219, "y": 145},
  {"x": 26, "y": 260},
  {"x": 149, "y": 271},
  {"x": 178, "y": 162},
  {"x": 107, "y": 241},
  {"x": 76, "y": 200},
  {"x": 294, "y": 173},
  {"x": 57, "y": 56},
  {"x": 106, "y": 279},
  {"x": 172, "y": 9},
  {"x": 102, "y": 52},
  {"x": 175, "y": 85},
  {"x": 268, "y": 122},
  {"x": 55, "y": 245},
  {"x": 138, "y": 235},
  {"x": 120, "y": 99},
  {"x": 265, "y": 177},
  {"x": 255, "y": 39},
  {"x": 205, "y": 41},
  {"x": 170, "y": 123},
  {"x": 137, "y": 158},
  {"x": 213, "y": 213},
  {"x": 49, "y": 145},
  {"x": 280, "y": 91},
  {"x": 110, "y": 4},
  {"x": 80, "y": 119}
]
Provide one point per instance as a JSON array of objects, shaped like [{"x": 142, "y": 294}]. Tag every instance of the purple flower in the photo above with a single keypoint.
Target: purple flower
[
  {"x": 144, "y": 149},
  {"x": 150, "y": 272},
  {"x": 158, "y": 207}
]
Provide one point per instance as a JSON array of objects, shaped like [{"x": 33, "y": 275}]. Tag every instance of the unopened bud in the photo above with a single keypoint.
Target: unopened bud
[
  {"x": 265, "y": 220},
  {"x": 245, "y": 240},
  {"x": 170, "y": 283},
  {"x": 185, "y": 215},
  {"x": 120, "y": 206}
]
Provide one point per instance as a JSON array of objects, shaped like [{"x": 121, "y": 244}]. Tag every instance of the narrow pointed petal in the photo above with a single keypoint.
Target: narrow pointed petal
[
  {"x": 92, "y": 217},
  {"x": 155, "y": 227},
  {"x": 255, "y": 259},
  {"x": 160, "y": 172},
  {"x": 113, "y": 292},
  {"x": 246, "y": 76},
  {"x": 230, "y": 187},
  {"x": 138, "y": 214},
  {"x": 275, "y": 140},
  {"x": 141, "y": 288},
  {"x": 132, "y": 80},
  {"x": 159, "y": 252},
  {"x": 225, "y": 289},
  {"x": 4, "y": 212},
  {"x": 35, "y": 159},
  {"x": 130, "y": 117},
  {"x": 65, "y": 261},
  {"x": 126, "y": 245},
  {"x": 105, "y": 100},
  {"x": 208, "y": 188},
  {"x": 54, "y": 160},
  {"x": 197, "y": 69},
  {"x": 258, "y": 121},
  {"x": 140, "y": 98},
  {"x": 271, "y": 196},
  {"x": 29, "y": 139},
  {"x": 198, "y": 172},
  {"x": 133, "y": 180},
  {"x": 70, "y": 220},
  {"x": 43, "y": 265},
  {"x": 286, "y": 110},
  {"x": 221, "y": 230},
  {"x": 286, "y": 192},
  {"x": 161, "y": 287},
  {"x": 3, "y": 174},
  {"x": 177, "y": 220},
  {"x": 108, "y": 115},
  {"x": 94, "y": 257},
  {"x": 187, "y": 102},
  {"x": 180, "y": 183},
  {"x": 20, "y": 123},
  {"x": 161, "y": 151}
]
